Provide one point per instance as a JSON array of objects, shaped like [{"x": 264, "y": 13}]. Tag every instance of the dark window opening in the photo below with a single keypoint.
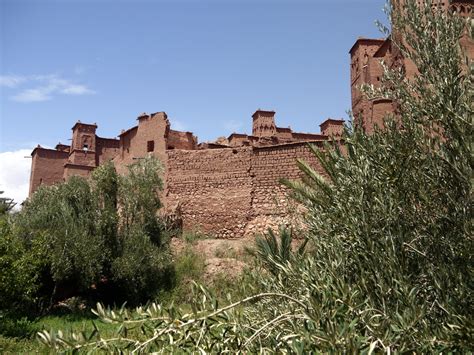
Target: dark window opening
[
  {"x": 170, "y": 147},
  {"x": 85, "y": 147},
  {"x": 150, "y": 146}
]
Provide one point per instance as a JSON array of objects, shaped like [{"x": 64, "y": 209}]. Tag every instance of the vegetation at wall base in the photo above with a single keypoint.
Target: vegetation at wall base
[{"x": 99, "y": 239}]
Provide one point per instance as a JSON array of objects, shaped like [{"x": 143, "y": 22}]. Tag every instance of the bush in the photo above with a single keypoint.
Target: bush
[
  {"x": 100, "y": 239},
  {"x": 17, "y": 328}
]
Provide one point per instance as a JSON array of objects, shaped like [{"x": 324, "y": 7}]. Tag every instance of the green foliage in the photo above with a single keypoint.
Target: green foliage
[
  {"x": 6, "y": 204},
  {"x": 99, "y": 238},
  {"x": 189, "y": 267},
  {"x": 62, "y": 220},
  {"x": 191, "y": 237},
  {"x": 20, "y": 272},
  {"x": 390, "y": 268},
  {"x": 17, "y": 328},
  {"x": 272, "y": 252}
]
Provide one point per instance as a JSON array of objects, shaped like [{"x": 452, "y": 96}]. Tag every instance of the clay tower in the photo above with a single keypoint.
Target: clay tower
[
  {"x": 83, "y": 144},
  {"x": 264, "y": 124}
]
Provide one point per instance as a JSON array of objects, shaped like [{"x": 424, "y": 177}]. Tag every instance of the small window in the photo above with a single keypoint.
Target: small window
[
  {"x": 85, "y": 147},
  {"x": 150, "y": 146}
]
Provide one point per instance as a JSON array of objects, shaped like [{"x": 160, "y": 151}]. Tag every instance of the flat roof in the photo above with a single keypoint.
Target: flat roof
[
  {"x": 84, "y": 124},
  {"x": 368, "y": 41}
]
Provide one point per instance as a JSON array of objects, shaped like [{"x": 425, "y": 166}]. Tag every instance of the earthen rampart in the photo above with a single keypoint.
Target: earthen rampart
[{"x": 232, "y": 192}]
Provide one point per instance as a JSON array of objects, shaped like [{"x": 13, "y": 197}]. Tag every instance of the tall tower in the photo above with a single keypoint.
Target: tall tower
[
  {"x": 264, "y": 124},
  {"x": 83, "y": 145}
]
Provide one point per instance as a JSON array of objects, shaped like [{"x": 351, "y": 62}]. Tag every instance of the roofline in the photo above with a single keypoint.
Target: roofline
[
  {"x": 187, "y": 132},
  {"x": 109, "y": 139},
  {"x": 127, "y": 131},
  {"x": 319, "y": 135},
  {"x": 266, "y": 111},
  {"x": 370, "y": 40},
  {"x": 48, "y": 149},
  {"x": 317, "y": 142},
  {"x": 238, "y": 135},
  {"x": 334, "y": 120},
  {"x": 84, "y": 124},
  {"x": 387, "y": 40}
]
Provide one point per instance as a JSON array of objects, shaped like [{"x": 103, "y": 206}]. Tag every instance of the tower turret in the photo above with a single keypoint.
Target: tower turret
[
  {"x": 83, "y": 144},
  {"x": 264, "y": 123}
]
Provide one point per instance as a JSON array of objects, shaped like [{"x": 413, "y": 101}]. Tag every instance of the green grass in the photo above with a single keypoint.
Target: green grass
[{"x": 27, "y": 342}]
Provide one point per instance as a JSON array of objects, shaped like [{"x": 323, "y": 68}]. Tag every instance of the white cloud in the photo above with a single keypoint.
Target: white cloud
[
  {"x": 11, "y": 81},
  {"x": 46, "y": 87},
  {"x": 76, "y": 90},
  {"x": 15, "y": 174},
  {"x": 33, "y": 95}
]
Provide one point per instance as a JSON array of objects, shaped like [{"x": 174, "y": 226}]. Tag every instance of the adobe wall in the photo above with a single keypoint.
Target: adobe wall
[
  {"x": 47, "y": 167},
  {"x": 181, "y": 140},
  {"x": 106, "y": 149},
  {"x": 71, "y": 170},
  {"x": 271, "y": 205},
  {"x": 134, "y": 143},
  {"x": 230, "y": 193},
  {"x": 212, "y": 188}
]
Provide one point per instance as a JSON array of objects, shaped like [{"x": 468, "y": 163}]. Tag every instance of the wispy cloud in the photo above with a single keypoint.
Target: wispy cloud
[
  {"x": 42, "y": 87},
  {"x": 11, "y": 81},
  {"x": 33, "y": 95},
  {"x": 15, "y": 174},
  {"x": 76, "y": 90}
]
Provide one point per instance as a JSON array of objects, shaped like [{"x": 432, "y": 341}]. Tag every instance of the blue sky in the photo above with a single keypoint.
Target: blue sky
[{"x": 208, "y": 64}]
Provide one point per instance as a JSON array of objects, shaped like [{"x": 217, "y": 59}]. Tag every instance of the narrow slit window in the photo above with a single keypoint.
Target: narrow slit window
[{"x": 150, "y": 146}]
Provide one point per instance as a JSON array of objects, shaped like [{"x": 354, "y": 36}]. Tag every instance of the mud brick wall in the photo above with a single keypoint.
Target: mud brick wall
[
  {"x": 47, "y": 167},
  {"x": 106, "y": 149},
  {"x": 271, "y": 205},
  {"x": 212, "y": 189},
  {"x": 232, "y": 193},
  {"x": 181, "y": 140}
]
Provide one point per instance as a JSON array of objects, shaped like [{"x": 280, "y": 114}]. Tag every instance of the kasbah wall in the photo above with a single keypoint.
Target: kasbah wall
[
  {"x": 227, "y": 189},
  {"x": 230, "y": 188}
]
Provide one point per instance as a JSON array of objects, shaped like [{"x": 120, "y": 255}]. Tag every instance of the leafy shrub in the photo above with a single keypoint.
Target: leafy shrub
[
  {"x": 188, "y": 268},
  {"x": 99, "y": 238},
  {"x": 17, "y": 328}
]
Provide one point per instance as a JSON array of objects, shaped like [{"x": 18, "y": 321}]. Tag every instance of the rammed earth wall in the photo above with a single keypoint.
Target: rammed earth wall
[{"x": 230, "y": 193}]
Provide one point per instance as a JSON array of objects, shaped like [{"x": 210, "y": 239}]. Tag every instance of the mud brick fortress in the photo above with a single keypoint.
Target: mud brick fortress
[{"x": 229, "y": 188}]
